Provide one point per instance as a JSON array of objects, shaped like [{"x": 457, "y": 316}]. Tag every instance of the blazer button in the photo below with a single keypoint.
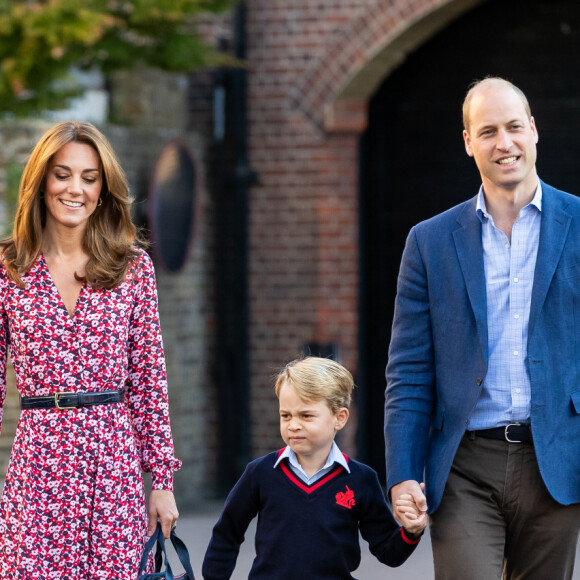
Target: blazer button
[{"x": 479, "y": 381}]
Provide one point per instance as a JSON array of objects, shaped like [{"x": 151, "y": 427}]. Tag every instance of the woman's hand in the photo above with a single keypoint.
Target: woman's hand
[{"x": 162, "y": 507}]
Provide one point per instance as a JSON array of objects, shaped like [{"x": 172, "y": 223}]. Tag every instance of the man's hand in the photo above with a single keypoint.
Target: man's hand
[{"x": 162, "y": 507}]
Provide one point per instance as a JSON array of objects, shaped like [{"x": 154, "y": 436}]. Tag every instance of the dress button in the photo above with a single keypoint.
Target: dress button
[{"x": 479, "y": 381}]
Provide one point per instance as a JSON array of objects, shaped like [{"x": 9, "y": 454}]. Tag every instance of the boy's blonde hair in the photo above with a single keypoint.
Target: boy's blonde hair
[{"x": 316, "y": 379}]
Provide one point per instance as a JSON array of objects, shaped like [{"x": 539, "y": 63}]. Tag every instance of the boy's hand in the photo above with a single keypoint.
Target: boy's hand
[{"x": 409, "y": 515}]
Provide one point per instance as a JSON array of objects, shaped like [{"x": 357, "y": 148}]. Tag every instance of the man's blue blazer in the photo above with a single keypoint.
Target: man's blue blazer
[{"x": 439, "y": 347}]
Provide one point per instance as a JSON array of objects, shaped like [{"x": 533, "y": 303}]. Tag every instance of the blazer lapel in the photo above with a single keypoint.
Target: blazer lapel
[
  {"x": 469, "y": 249},
  {"x": 553, "y": 232}
]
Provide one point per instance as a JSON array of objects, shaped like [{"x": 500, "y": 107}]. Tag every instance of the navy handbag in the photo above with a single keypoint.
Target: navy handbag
[{"x": 162, "y": 560}]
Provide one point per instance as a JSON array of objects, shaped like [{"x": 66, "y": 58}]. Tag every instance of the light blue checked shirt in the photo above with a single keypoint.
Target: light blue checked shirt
[{"x": 509, "y": 276}]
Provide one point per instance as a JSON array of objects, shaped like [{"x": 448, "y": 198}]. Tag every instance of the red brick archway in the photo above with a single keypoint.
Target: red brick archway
[{"x": 360, "y": 54}]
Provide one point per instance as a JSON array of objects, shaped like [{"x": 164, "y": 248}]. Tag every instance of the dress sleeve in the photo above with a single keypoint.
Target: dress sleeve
[{"x": 147, "y": 380}]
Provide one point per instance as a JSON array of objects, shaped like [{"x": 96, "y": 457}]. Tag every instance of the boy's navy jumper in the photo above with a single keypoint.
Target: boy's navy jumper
[{"x": 305, "y": 531}]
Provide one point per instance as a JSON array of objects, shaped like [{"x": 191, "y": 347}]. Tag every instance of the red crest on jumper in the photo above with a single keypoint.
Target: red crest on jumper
[{"x": 345, "y": 498}]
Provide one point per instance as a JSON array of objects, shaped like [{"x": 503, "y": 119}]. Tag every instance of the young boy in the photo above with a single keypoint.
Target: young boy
[{"x": 311, "y": 500}]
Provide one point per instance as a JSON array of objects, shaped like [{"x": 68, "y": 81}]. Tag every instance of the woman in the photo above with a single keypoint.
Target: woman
[{"x": 78, "y": 315}]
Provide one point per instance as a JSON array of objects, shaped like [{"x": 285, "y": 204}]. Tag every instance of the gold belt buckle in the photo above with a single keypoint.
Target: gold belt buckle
[{"x": 56, "y": 400}]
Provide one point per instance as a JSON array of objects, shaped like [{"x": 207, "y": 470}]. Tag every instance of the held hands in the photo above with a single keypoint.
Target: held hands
[
  {"x": 409, "y": 516},
  {"x": 162, "y": 507},
  {"x": 410, "y": 506}
]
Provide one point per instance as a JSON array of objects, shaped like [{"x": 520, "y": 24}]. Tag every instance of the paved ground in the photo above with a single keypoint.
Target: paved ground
[{"x": 195, "y": 530}]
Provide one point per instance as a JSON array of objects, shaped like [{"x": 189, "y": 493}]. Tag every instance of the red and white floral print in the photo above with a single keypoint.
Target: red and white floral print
[{"x": 73, "y": 505}]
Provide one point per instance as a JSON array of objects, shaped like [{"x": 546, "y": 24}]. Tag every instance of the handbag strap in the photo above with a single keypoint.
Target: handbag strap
[
  {"x": 161, "y": 554},
  {"x": 147, "y": 549},
  {"x": 182, "y": 554}
]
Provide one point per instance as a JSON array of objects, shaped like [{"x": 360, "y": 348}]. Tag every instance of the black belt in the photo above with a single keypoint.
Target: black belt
[
  {"x": 513, "y": 433},
  {"x": 64, "y": 400}
]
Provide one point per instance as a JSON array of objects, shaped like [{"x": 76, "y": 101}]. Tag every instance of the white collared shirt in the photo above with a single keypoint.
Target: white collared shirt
[{"x": 335, "y": 456}]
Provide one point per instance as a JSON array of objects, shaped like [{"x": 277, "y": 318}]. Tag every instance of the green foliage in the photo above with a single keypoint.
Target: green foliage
[{"x": 40, "y": 40}]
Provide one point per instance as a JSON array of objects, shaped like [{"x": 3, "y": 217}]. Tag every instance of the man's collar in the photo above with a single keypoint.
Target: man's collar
[{"x": 481, "y": 208}]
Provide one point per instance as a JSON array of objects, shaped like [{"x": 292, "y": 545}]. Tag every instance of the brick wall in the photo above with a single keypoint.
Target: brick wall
[
  {"x": 312, "y": 67},
  {"x": 304, "y": 250}
]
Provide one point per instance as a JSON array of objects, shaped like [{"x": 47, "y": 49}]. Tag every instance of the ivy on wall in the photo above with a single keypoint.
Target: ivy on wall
[{"x": 40, "y": 40}]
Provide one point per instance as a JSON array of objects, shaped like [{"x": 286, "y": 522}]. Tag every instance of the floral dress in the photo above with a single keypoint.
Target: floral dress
[{"x": 73, "y": 506}]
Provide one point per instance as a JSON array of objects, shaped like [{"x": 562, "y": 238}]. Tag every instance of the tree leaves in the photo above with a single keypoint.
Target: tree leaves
[{"x": 40, "y": 40}]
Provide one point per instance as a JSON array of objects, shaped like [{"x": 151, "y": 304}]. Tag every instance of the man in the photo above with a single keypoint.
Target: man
[{"x": 483, "y": 388}]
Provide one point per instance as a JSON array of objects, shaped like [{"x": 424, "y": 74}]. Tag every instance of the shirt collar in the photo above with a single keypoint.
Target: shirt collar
[
  {"x": 335, "y": 456},
  {"x": 481, "y": 208}
]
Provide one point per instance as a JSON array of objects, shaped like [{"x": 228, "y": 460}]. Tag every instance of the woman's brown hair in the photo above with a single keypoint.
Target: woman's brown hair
[{"x": 110, "y": 238}]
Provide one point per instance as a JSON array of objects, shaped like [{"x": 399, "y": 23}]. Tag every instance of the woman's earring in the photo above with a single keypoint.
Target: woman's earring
[{"x": 100, "y": 202}]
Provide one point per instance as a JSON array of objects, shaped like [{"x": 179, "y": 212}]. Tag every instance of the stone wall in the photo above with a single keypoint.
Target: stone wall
[{"x": 183, "y": 305}]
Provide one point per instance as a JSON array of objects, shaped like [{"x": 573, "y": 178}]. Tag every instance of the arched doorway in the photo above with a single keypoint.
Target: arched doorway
[{"x": 413, "y": 163}]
